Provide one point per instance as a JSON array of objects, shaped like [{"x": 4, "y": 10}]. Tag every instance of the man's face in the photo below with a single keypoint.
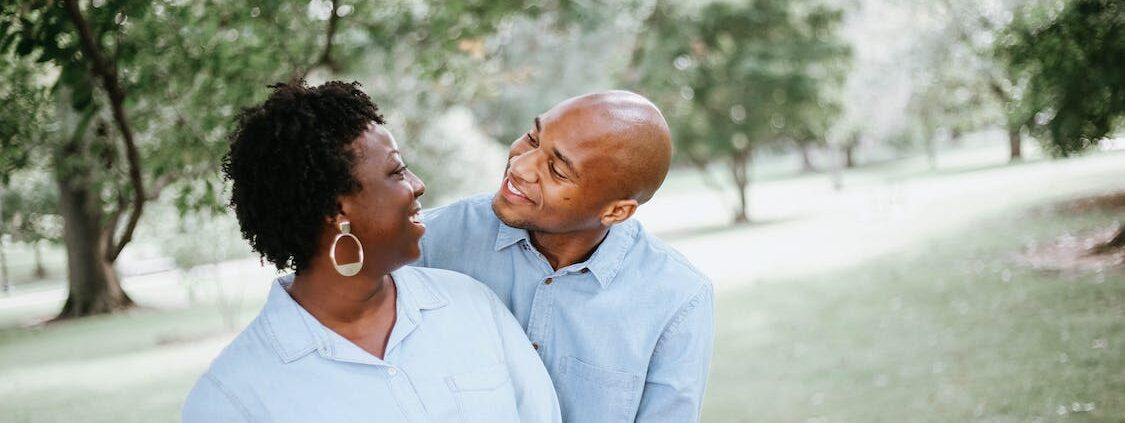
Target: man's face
[{"x": 559, "y": 174}]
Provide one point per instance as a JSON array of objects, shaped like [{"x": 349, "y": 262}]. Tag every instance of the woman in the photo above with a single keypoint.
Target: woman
[{"x": 354, "y": 335}]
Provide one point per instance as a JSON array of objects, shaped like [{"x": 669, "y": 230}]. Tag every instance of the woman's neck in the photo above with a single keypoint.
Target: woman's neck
[{"x": 332, "y": 297}]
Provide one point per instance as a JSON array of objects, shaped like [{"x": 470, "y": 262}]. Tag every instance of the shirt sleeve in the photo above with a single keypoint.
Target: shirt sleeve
[
  {"x": 677, "y": 373},
  {"x": 536, "y": 399},
  {"x": 209, "y": 401}
]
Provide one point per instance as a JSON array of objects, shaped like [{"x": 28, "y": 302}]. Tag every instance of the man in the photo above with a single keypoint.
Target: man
[{"x": 623, "y": 323}]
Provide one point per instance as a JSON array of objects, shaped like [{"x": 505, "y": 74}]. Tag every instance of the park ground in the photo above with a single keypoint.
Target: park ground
[{"x": 949, "y": 295}]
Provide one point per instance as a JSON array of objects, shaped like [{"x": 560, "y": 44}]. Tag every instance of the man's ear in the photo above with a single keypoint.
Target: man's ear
[{"x": 619, "y": 211}]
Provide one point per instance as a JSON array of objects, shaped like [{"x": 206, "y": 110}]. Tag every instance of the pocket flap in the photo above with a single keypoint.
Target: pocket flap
[
  {"x": 483, "y": 379},
  {"x": 601, "y": 376}
]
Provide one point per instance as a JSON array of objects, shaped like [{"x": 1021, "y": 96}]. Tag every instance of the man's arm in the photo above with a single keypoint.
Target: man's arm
[{"x": 677, "y": 374}]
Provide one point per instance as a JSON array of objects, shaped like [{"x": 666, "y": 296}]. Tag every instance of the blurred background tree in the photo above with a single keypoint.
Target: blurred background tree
[
  {"x": 142, "y": 93},
  {"x": 126, "y": 102},
  {"x": 1072, "y": 55},
  {"x": 743, "y": 77}
]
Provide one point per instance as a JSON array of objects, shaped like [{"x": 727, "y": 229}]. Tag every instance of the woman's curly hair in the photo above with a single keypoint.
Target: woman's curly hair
[{"x": 289, "y": 160}]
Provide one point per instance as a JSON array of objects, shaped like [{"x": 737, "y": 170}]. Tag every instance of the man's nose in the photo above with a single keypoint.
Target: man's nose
[{"x": 522, "y": 166}]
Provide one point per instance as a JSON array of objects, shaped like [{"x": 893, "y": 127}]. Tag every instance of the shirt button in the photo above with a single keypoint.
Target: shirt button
[
  {"x": 392, "y": 371},
  {"x": 535, "y": 345},
  {"x": 585, "y": 270},
  {"x": 549, "y": 281}
]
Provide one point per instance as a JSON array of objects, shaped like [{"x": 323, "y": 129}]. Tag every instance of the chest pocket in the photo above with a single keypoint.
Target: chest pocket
[
  {"x": 589, "y": 393},
  {"x": 485, "y": 395}
]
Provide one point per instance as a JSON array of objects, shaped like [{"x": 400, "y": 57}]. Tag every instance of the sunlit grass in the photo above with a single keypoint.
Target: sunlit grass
[
  {"x": 135, "y": 367},
  {"x": 953, "y": 330}
]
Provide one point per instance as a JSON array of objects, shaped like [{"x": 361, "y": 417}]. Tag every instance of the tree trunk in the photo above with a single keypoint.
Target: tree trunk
[
  {"x": 956, "y": 137},
  {"x": 931, "y": 149},
  {"x": 849, "y": 156},
  {"x": 40, "y": 269},
  {"x": 1014, "y": 143},
  {"x": 1114, "y": 244},
  {"x": 93, "y": 282},
  {"x": 740, "y": 162},
  {"x": 807, "y": 165},
  {"x": 7, "y": 281}
]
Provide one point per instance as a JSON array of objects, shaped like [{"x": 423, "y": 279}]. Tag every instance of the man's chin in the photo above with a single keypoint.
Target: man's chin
[{"x": 506, "y": 216}]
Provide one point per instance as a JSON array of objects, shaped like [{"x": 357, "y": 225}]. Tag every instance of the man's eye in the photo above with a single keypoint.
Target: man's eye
[
  {"x": 531, "y": 140},
  {"x": 555, "y": 170}
]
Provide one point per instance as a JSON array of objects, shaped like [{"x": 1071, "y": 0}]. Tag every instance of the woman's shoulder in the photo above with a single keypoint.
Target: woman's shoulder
[{"x": 452, "y": 286}]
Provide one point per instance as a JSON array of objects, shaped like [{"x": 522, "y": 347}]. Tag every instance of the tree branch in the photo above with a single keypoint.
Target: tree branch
[
  {"x": 326, "y": 55},
  {"x": 107, "y": 72}
]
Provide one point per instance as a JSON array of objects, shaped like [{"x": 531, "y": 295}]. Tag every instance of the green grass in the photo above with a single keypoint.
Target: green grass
[
  {"x": 953, "y": 330},
  {"x": 949, "y": 330},
  {"x": 135, "y": 367}
]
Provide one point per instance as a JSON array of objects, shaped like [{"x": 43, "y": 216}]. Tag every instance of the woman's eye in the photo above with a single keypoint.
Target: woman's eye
[{"x": 531, "y": 140}]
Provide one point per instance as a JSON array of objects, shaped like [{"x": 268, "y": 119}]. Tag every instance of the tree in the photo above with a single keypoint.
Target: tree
[
  {"x": 960, "y": 85},
  {"x": 1073, "y": 63},
  {"x": 142, "y": 94},
  {"x": 735, "y": 78},
  {"x": 27, "y": 214}
]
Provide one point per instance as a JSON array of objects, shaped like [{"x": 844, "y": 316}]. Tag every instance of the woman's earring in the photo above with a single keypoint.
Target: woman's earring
[{"x": 349, "y": 269}]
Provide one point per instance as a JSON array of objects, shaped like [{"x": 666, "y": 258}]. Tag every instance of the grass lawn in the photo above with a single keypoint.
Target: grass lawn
[{"x": 951, "y": 331}]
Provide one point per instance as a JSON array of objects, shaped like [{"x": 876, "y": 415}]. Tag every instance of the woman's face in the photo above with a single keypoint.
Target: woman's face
[{"x": 385, "y": 213}]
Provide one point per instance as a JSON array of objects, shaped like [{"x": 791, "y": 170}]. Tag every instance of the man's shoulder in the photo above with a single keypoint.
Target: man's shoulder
[
  {"x": 475, "y": 208},
  {"x": 454, "y": 286},
  {"x": 653, "y": 258},
  {"x": 458, "y": 232}
]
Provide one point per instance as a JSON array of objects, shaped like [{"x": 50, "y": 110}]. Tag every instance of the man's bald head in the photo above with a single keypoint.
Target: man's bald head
[
  {"x": 630, "y": 133},
  {"x": 585, "y": 164}
]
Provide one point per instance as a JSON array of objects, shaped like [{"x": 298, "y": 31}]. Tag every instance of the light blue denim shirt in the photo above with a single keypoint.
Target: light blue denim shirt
[
  {"x": 626, "y": 335},
  {"x": 454, "y": 355}
]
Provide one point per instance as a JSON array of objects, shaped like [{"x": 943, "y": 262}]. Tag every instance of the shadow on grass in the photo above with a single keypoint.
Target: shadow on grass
[{"x": 947, "y": 330}]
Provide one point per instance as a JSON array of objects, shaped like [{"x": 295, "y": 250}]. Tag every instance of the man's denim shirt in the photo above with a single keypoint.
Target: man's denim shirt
[
  {"x": 626, "y": 335},
  {"x": 454, "y": 355}
]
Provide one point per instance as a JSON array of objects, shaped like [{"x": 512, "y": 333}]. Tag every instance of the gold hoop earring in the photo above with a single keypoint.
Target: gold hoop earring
[{"x": 348, "y": 269}]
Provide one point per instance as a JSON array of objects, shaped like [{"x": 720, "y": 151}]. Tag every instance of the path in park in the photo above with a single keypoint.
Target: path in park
[
  {"x": 802, "y": 225},
  {"x": 805, "y": 226}
]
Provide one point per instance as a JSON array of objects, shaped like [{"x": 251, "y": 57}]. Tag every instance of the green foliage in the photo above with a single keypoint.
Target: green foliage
[
  {"x": 27, "y": 209},
  {"x": 542, "y": 61},
  {"x": 731, "y": 77},
  {"x": 24, "y": 117},
  {"x": 1072, "y": 60}
]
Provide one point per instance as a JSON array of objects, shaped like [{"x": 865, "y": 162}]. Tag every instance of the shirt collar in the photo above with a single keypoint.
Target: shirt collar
[
  {"x": 607, "y": 260},
  {"x": 507, "y": 235},
  {"x": 295, "y": 333}
]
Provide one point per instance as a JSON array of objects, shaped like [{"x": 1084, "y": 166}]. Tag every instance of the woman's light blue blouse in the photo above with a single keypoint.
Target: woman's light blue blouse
[{"x": 455, "y": 354}]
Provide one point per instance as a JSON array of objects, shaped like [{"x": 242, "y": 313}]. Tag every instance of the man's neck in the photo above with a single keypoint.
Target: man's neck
[{"x": 563, "y": 250}]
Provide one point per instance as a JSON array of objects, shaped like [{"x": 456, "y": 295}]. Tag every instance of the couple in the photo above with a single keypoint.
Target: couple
[{"x": 582, "y": 316}]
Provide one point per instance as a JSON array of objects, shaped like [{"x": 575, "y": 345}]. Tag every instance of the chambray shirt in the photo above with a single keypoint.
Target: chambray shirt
[
  {"x": 626, "y": 335},
  {"x": 454, "y": 355}
]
